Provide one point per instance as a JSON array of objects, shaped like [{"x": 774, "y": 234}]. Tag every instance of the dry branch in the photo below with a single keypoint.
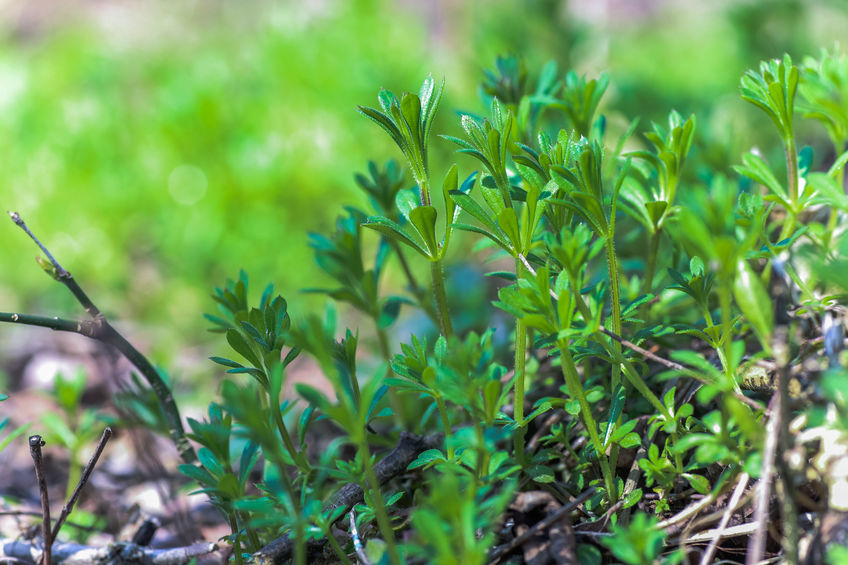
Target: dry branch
[
  {"x": 118, "y": 553},
  {"x": 407, "y": 450}
]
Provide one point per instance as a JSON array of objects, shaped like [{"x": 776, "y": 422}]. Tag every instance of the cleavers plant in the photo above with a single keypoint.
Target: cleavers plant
[{"x": 655, "y": 313}]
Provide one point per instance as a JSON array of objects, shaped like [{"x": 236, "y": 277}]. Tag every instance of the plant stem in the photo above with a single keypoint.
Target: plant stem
[
  {"x": 100, "y": 329},
  {"x": 518, "y": 383},
  {"x": 443, "y": 414},
  {"x": 575, "y": 389},
  {"x": 483, "y": 456},
  {"x": 791, "y": 171},
  {"x": 298, "y": 457},
  {"x": 518, "y": 388},
  {"x": 438, "y": 276},
  {"x": 653, "y": 249},
  {"x": 236, "y": 543},
  {"x": 372, "y": 491},
  {"x": 419, "y": 293},
  {"x": 334, "y": 543},
  {"x": 615, "y": 307}
]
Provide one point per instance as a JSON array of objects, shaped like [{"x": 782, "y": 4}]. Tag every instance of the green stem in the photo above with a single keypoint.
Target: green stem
[
  {"x": 792, "y": 184},
  {"x": 483, "y": 456},
  {"x": 653, "y": 249},
  {"x": 615, "y": 307},
  {"x": 372, "y": 491},
  {"x": 298, "y": 457},
  {"x": 334, "y": 543},
  {"x": 640, "y": 385},
  {"x": 419, "y": 293},
  {"x": 438, "y": 277},
  {"x": 443, "y": 414},
  {"x": 518, "y": 388},
  {"x": 272, "y": 451},
  {"x": 518, "y": 383},
  {"x": 575, "y": 389},
  {"x": 236, "y": 543},
  {"x": 252, "y": 535},
  {"x": 792, "y": 171},
  {"x": 615, "y": 304}
]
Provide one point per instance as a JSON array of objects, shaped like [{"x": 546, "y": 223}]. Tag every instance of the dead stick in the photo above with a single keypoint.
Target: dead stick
[
  {"x": 69, "y": 505},
  {"x": 541, "y": 525},
  {"x": 35, "y": 445},
  {"x": 408, "y": 448}
]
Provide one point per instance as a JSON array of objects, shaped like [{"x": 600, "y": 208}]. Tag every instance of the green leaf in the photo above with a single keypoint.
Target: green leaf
[
  {"x": 375, "y": 550},
  {"x": 406, "y": 200},
  {"x": 424, "y": 220},
  {"x": 210, "y": 462},
  {"x": 508, "y": 222},
  {"x": 698, "y": 482},
  {"x": 541, "y": 474},
  {"x": 398, "y": 233},
  {"x": 198, "y": 474},
  {"x": 390, "y": 310},
  {"x": 753, "y": 300},
  {"x": 656, "y": 210},
  {"x": 428, "y": 458},
  {"x": 240, "y": 345},
  {"x": 313, "y": 396}
]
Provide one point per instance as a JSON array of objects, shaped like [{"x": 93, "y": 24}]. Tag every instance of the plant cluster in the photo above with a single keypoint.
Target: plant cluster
[
  {"x": 675, "y": 334},
  {"x": 710, "y": 277}
]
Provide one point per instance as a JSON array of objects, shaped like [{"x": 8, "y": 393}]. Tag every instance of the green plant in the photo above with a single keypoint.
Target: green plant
[{"x": 607, "y": 355}]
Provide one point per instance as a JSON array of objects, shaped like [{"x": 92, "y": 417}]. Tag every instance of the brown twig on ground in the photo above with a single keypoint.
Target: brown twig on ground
[
  {"x": 71, "y": 502},
  {"x": 398, "y": 459},
  {"x": 541, "y": 525},
  {"x": 116, "y": 553},
  {"x": 100, "y": 329},
  {"x": 35, "y": 445}
]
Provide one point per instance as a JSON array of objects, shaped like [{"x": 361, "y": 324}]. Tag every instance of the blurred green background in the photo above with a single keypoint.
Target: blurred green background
[{"x": 157, "y": 147}]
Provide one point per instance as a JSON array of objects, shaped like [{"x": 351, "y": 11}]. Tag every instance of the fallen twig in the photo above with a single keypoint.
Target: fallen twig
[
  {"x": 541, "y": 525},
  {"x": 69, "y": 505},
  {"x": 357, "y": 543},
  {"x": 398, "y": 459},
  {"x": 118, "y": 553},
  {"x": 707, "y": 557}
]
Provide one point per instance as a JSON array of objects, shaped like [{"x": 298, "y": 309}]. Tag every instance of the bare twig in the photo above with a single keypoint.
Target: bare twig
[
  {"x": 100, "y": 329},
  {"x": 540, "y": 526},
  {"x": 757, "y": 542},
  {"x": 145, "y": 532},
  {"x": 69, "y": 505},
  {"x": 642, "y": 351},
  {"x": 733, "y": 531},
  {"x": 780, "y": 348},
  {"x": 118, "y": 552},
  {"x": 707, "y": 557},
  {"x": 357, "y": 543},
  {"x": 35, "y": 445},
  {"x": 408, "y": 448}
]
